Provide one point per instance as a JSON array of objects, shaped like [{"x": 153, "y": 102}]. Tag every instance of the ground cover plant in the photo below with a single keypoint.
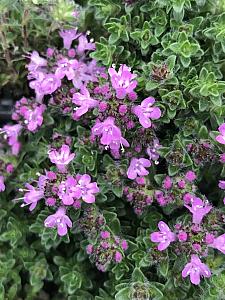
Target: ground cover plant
[{"x": 112, "y": 166}]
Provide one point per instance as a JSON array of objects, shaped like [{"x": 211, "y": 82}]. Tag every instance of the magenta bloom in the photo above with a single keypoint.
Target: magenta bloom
[
  {"x": 68, "y": 37},
  {"x": 36, "y": 61},
  {"x": 2, "y": 184},
  {"x": 44, "y": 84},
  {"x": 221, "y": 184},
  {"x": 137, "y": 167},
  {"x": 59, "y": 220},
  {"x": 66, "y": 191},
  {"x": 12, "y": 133},
  {"x": 190, "y": 176},
  {"x": 195, "y": 269},
  {"x": 152, "y": 151},
  {"x": 84, "y": 45},
  {"x": 145, "y": 112},
  {"x": 34, "y": 118},
  {"x": 164, "y": 237},
  {"x": 221, "y": 138},
  {"x": 85, "y": 189},
  {"x": 219, "y": 243},
  {"x": 198, "y": 209},
  {"x": 66, "y": 68},
  {"x": 122, "y": 81},
  {"x": 32, "y": 197},
  {"x": 108, "y": 131},
  {"x": 62, "y": 157},
  {"x": 84, "y": 102}
]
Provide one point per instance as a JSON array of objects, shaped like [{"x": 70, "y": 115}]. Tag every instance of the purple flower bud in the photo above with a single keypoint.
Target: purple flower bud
[
  {"x": 124, "y": 245},
  {"x": 182, "y": 236},
  {"x": 122, "y": 109},
  {"x": 190, "y": 176},
  {"x": 105, "y": 234},
  {"x": 167, "y": 183},
  {"x": 50, "y": 201},
  {"x": 71, "y": 53},
  {"x": 118, "y": 257},
  {"x": 222, "y": 158},
  {"x": 89, "y": 249},
  {"x": 9, "y": 168},
  {"x": 50, "y": 52},
  {"x": 181, "y": 184},
  {"x": 102, "y": 106},
  {"x": 209, "y": 238},
  {"x": 197, "y": 247}
]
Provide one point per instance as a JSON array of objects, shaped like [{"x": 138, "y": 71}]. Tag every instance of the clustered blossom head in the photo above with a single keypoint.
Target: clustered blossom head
[
  {"x": 106, "y": 250},
  {"x": 60, "y": 191},
  {"x": 194, "y": 238},
  {"x": 29, "y": 114},
  {"x": 139, "y": 195},
  {"x": 177, "y": 190}
]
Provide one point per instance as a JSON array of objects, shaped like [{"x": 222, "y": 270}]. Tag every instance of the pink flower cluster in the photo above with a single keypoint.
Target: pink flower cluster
[
  {"x": 29, "y": 114},
  {"x": 174, "y": 186},
  {"x": 194, "y": 239},
  {"x": 107, "y": 249},
  {"x": 60, "y": 190},
  {"x": 48, "y": 74}
]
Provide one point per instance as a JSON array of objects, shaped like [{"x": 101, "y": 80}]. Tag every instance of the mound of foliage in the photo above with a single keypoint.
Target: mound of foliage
[{"x": 112, "y": 169}]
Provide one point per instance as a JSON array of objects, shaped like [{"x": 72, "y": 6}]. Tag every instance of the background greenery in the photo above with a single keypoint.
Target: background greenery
[{"x": 186, "y": 36}]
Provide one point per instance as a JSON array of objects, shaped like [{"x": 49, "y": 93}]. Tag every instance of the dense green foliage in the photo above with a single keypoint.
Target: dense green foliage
[{"x": 177, "y": 48}]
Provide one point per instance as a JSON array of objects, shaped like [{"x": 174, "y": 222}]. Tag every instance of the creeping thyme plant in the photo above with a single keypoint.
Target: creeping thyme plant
[{"x": 112, "y": 172}]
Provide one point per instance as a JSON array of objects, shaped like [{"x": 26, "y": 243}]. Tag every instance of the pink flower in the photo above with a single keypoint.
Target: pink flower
[
  {"x": 2, "y": 184},
  {"x": 44, "y": 84},
  {"x": 105, "y": 234},
  {"x": 124, "y": 245},
  {"x": 84, "y": 45},
  {"x": 182, "y": 236},
  {"x": 89, "y": 249},
  {"x": 62, "y": 157},
  {"x": 209, "y": 238},
  {"x": 221, "y": 138},
  {"x": 222, "y": 158},
  {"x": 145, "y": 112},
  {"x": 66, "y": 190},
  {"x": 68, "y": 37},
  {"x": 108, "y": 131},
  {"x": 118, "y": 257},
  {"x": 137, "y": 167},
  {"x": 122, "y": 81},
  {"x": 85, "y": 189},
  {"x": 36, "y": 61},
  {"x": 167, "y": 183},
  {"x": 32, "y": 196},
  {"x": 152, "y": 150},
  {"x": 190, "y": 176},
  {"x": 195, "y": 269},
  {"x": 66, "y": 67},
  {"x": 164, "y": 237},
  {"x": 84, "y": 102},
  {"x": 221, "y": 184},
  {"x": 12, "y": 133},
  {"x": 59, "y": 220},
  {"x": 219, "y": 243},
  {"x": 34, "y": 118},
  {"x": 198, "y": 209}
]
